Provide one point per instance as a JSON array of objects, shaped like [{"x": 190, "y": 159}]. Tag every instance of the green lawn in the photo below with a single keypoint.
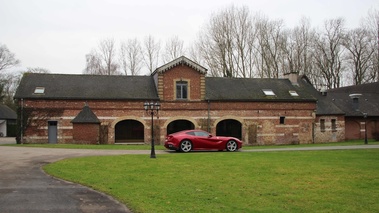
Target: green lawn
[{"x": 309, "y": 181}]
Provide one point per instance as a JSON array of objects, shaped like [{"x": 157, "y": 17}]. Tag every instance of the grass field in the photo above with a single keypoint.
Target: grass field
[{"x": 308, "y": 181}]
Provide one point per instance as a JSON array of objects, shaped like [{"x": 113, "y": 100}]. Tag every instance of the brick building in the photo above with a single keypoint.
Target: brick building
[{"x": 258, "y": 111}]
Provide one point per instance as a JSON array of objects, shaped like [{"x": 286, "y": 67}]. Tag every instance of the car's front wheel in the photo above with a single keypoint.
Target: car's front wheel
[
  {"x": 185, "y": 146},
  {"x": 231, "y": 146}
]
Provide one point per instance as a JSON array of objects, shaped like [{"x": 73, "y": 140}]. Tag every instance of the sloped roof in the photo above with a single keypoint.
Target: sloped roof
[
  {"x": 90, "y": 87},
  {"x": 86, "y": 116},
  {"x": 181, "y": 61},
  {"x": 251, "y": 89},
  {"x": 325, "y": 104},
  {"x": 7, "y": 113},
  {"x": 368, "y": 101}
]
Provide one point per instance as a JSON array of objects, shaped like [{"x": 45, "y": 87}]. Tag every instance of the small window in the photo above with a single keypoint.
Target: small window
[
  {"x": 268, "y": 92},
  {"x": 334, "y": 125},
  {"x": 281, "y": 120},
  {"x": 293, "y": 93},
  {"x": 39, "y": 90},
  {"x": 322, "y": 125},
  {"x": 201, "y": 134},
  {"x": 191, "y": 133},
  {"x": 181, "y": 90}
]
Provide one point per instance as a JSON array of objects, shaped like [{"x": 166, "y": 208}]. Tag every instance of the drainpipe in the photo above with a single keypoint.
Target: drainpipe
[
  {"x": 22, "y": 121},
  {"x": 209, "y": 116}
]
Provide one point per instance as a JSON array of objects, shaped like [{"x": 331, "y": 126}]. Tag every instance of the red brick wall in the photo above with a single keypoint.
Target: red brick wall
[
  {"x": 184, "y": 73},
  {"x": 355, "y": 128},
  {"x": 85, "y": 133},
  {"x": 259, "y": 120}
]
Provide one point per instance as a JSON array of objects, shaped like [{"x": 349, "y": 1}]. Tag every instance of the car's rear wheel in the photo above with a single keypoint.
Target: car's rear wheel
[
  {"x": 231, "y": 146},
  {"x": 185, "y": 146}
]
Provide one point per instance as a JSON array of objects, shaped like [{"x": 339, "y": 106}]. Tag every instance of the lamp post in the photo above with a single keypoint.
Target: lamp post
[
  {"x": 152, "y": 108},
  {"x": 365, "y": 117}
]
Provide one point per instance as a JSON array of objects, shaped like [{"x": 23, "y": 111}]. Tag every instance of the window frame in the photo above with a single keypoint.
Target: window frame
[
  {"x": 268, "y": 92},
  {"x": 322, "y": 125},
  {"x": 179, "y": 93},
  {"x": 334, "y": 124},
  {"x": 39, "y": 90}
]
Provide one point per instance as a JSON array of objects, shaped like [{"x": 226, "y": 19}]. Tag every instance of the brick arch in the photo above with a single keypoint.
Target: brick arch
[
  {"x": 168, "y": 121},
  {"x": 134, "y": 132},
  {"x": 229, "y": 118},
  {"x": 194, "y": 124},
  {"x": 229, "y": 130},
  {"x": 113, "y": 124}
]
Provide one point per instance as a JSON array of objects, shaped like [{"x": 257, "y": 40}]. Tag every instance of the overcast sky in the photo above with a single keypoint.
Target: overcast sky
[{"x": 57, "y": 34}]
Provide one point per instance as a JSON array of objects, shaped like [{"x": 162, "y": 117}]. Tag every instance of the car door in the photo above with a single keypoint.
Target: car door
[{"x": 206, "y": 141}]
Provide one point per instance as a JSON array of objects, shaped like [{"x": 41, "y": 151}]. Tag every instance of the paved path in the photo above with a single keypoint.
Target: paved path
[{"x": 24, "y": 187}]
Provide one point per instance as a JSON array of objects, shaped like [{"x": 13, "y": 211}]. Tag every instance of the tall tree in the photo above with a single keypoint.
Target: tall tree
[
  {"x": 226, "y": 43},
  {"x": 7, "y": 58},
  {"x": 297, "y": 54},
  {"x": 270, "y": 47},
  {"x": 151, "y": 53},
  {"x": 103, "y": 60},
  {"x": 174, "y": 48},
  {"x": 358, "y": 43},
  {"x": 328, "y": 54},
  {"x": 372, "y": 25},
  {"x": 131, "y": 57}
]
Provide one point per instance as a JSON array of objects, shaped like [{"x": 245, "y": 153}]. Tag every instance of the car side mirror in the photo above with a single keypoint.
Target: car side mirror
[{"x": 209, "y": 136}]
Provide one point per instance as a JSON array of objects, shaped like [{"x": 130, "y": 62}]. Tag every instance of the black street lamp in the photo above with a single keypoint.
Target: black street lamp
[
  {"x": 152, "y": 108},
  {"x": 365, "y": 117}
]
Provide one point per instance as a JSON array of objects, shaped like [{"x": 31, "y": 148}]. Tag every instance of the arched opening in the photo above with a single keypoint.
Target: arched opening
[
  {"x": 129, "y": 131},
  {"x": 229, "y": 127},
  {"x": 179, "y": 125}
]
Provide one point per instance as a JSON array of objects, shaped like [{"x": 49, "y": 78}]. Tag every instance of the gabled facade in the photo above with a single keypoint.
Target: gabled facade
[{"x": 258, "y": 111}]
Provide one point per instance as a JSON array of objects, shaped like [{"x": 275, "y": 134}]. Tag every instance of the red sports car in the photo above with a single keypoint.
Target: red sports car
[{"x": 188, "y": 140}]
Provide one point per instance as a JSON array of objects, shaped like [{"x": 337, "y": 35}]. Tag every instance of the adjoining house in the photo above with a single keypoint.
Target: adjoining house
[
  {"x": 361, "y": 106},
  {"x": 8, "y": 118},
  {"x": 110, "y": 109}
]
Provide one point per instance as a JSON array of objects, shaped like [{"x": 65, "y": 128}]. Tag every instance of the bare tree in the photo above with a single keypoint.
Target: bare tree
[
  {"x": 151, "y": 53},
  {"x": 297, "y": 55},
  {"x": 372, "y": 25},
  {"x": 7, "y": 58},
  {"x": 328, "y": 54},
  {"x": 270, "y": 47},
  {"x": 102, "y": 61},
  {"x": 226, "y": 43},
  {"x": 131, "y": 56},
  {"x": 358, "y": 42},
  {"x": 173, "y": 49},
  {"x": 37, "y": 70},
  {"x": 8, "y": 85}
]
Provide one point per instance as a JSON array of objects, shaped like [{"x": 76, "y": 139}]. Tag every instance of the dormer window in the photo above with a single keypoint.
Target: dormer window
[
  {"x": 181, "y": 90},
  {"x": 39, "y": 90},
  {"x": 268, "y": 92},
  {"x": 293, "y": 93}
]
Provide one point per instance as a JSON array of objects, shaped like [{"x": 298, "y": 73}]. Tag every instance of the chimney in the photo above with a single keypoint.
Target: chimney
[
  {"x": 292, "y": 76},
  {"x": 355, "y": 98}
]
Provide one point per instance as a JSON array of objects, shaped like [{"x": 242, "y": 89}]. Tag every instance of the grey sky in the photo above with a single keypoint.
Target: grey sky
[{"x": 57, "y": 34}]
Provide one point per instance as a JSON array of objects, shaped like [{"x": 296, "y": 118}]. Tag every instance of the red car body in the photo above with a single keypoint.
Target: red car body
[{"x": 188, "y": 140}]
